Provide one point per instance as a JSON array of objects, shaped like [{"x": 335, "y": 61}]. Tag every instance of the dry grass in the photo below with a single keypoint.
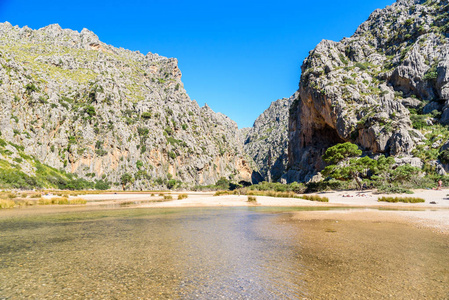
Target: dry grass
[
  {"x": 77, "y": 201},
  {"x": 72, "y": 193},
  {"x": 182, "y": 196},
  {"x": 258, "y": 193},
  {"x": 315, "y": 198},
  {"x": 401, "y": 199},
  {"x": 252, "y": 199},
  {"x": 222, "y": 193},
  {"x": 22, "y": 203},
  {"x": 47, "y": 201},
  {"x": 273, "y": 194},
  {"x": 61, "y": 201},
  {"x": 7, "y": 204}
]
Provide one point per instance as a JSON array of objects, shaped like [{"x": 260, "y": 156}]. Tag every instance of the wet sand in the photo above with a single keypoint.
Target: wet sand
[
  {"x": 371, "y": 255},
  {"x": 435, "y": 216}
]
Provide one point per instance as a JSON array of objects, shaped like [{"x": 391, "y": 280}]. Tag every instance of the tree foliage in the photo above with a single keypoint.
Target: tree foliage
[
  {"x": 339, "y": 152},
  {"x": 126, "y": 179},
  {"x": 382, "y": 170}
]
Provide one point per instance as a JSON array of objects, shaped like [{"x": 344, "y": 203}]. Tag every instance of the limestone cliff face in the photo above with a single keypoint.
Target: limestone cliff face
[
  {"x": 89, "y": 108},
  {"x": 266, "y": 142},
  {"x": 363, "y": 88}
]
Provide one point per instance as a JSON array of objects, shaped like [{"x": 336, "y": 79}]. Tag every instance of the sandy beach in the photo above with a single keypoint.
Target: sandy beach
[
  {"x": 381, "y": 250},
  {"x": 433, "y": 213}
]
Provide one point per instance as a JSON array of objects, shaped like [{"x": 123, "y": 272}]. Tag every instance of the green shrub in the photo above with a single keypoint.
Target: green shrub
[
  {"x": 125, "y": 179},
  {"x": 102, "y": 185},
  {"x": 432, "y": 73},
  {"x": 418, "y": 121},
  {"x": 146, "y": 115},
  {"x": 90, "y": 110},
  {"x": 339, "y": 152},
  {"x": 347, "y": 80},
  {"x": 168, "y": 197},
  {"x": 30, "y": 88},
  {"x": 362, "y": 66},
  {"x": 343, "y": 59},
  {"x": 393, "y": 189},
  {"x": 143, "y": 131},
  {"x": 251, "y": 199},
  {"x": 172, "y": 154},
  {"x": 182, "y": 196}
]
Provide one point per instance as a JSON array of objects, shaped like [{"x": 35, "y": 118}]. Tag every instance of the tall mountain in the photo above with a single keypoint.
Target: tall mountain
[
  {"x": 385, "y": 89},
  {"x": 267, "y": 141},
  {"x": 78, "y": 104}
]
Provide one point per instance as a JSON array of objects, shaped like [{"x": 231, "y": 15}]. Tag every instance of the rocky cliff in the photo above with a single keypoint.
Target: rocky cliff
[
  {"x": 385, "y": 89},
  {"x": 78, "y": 104},
  {"x": 267, "y": 141}
]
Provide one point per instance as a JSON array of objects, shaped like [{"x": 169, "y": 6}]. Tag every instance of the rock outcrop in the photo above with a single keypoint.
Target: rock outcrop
[
  {"x": 366, "y": 88},
  {"x": 81, "y": 105},
  {"x": 267, "y": 141}
]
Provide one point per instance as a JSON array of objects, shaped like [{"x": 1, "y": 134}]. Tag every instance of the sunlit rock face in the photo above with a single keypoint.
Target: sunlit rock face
[
  {"x": 89, "y": 108},
  {"x": 363, "y": 88}
]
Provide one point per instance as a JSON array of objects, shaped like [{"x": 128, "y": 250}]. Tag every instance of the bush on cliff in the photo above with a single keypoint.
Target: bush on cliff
[{"x": 365, "y": 171}]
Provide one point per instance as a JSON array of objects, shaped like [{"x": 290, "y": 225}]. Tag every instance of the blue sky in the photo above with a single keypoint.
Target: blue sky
[{"x": 236, "y": 56}]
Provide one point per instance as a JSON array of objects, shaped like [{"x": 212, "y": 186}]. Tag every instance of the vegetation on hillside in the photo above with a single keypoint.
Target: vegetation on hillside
[
  {"x": 349, "y": 168},
  {"x": 13, "y": 161}
]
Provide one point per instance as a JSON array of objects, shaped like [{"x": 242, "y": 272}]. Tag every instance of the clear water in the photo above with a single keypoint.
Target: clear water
[{"x": 129, "y": 253}]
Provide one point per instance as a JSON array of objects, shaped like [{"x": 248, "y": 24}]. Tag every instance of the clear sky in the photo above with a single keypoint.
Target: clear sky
[{"x": 236, "y": 56}]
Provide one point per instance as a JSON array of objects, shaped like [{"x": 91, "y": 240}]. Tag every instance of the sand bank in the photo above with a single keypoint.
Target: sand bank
[{"x": 433, "y": 213}]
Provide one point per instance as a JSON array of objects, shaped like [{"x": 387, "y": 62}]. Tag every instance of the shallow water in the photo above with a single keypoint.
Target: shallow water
[{"x": 226, "y": 253}]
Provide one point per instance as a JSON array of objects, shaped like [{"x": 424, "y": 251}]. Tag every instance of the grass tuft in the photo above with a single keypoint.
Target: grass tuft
[
  {"x": 252, "y": 199},
  {"x": 168, "y": 197},
  {"x": 182, "y": 196},
  {"x": 7, "y": 204},
  {"x": 22, "y": 203},
  {"x": 275, "y": 194},
  {"x": 222, "y": 193},
  {"x": 77, "y": 201},
  {"x": 401, "y": 199},
  {"x": 315, "y": 198}
]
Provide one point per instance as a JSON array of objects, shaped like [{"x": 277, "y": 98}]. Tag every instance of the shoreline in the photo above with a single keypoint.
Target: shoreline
[{"x": 354, "y": 205}]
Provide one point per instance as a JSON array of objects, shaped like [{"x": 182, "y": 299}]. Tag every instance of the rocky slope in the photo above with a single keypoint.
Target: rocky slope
[
  {"x": 80, "y": 105},
  {"x": 385, "y": 89},
  {"x": 267, "y": 141}
]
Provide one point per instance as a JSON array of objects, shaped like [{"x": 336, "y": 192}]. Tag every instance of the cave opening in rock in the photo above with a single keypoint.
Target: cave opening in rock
[{"x": 325, "y": 137}]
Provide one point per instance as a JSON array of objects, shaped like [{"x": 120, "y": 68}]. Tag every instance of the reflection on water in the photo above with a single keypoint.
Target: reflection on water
[
  {"x": 220, "y": 253},
  {"x": 228, "y": 253}
]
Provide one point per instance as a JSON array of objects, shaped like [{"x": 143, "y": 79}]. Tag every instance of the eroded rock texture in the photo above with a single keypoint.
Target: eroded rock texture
[
  {"x": 361, "y": 88},
  {"x": 98, "y": 111},
  {"x": 267, "y": 141}
]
